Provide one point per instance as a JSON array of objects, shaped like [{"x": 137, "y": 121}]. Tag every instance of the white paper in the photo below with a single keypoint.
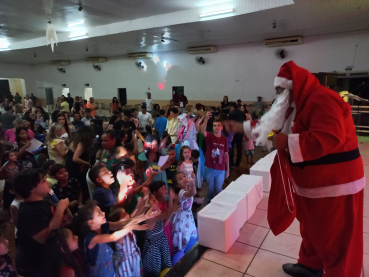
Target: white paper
[
  {"x": 162, "y": 160},
  {"x": 35, "y": 144},
  {"x": 181, "y": 104}
]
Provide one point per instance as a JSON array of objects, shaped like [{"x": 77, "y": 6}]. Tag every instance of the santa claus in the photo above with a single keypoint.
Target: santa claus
[{"x": 314, "y": 125}]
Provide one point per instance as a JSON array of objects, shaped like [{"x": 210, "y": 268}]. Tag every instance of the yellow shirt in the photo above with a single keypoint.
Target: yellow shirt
[{"x": 65, "y": 106}]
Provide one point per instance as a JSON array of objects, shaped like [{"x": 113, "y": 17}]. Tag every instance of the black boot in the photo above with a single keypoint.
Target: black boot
[{"x": 299, "y": 270}]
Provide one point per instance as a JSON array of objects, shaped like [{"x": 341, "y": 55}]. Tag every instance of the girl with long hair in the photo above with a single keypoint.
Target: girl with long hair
[
  {"x": 225, "y": 104},
  {"x": 185, "y": 163},
  {"x": 77, "y": 160},
  {"x": 59, "y": 260},
  {"x": 115, "y": 103},
  {"x": 95, "y": 235},
  {"x": 183, "y": 227},
  {"x": 61, "y": 120}
]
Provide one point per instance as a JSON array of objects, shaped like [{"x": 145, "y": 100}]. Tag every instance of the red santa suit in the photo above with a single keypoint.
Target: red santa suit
[{"x": 328, "y": 174}]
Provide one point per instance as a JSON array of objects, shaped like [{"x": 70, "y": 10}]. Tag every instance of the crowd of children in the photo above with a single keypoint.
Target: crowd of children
[{"x": 116, "y": 204}]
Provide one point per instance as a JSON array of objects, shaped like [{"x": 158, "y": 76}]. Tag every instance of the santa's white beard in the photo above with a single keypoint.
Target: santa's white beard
[{"x": 273, "y": 119}]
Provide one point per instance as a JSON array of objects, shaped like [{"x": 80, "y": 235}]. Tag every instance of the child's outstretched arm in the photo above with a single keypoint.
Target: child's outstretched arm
[
  {"x": 106, "y": 238},
  {"x": 113, "y": 226},
  {"x": 191, "y": 191},
  {"x": 172, "y": 206}
]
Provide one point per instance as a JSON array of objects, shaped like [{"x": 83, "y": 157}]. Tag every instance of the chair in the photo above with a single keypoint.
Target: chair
[
  {"x": 106, "y": 113},
  {"x": 99, "y": 113}
]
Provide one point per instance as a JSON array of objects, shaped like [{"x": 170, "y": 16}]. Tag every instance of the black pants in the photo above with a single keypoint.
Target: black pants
[{"x": 237, "y": 141}]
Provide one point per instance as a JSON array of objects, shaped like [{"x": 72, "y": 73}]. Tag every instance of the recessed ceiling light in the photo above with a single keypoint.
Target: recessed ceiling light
[
  {"x": 76, "y": 23},
  {"x": 216, "y": 13}
]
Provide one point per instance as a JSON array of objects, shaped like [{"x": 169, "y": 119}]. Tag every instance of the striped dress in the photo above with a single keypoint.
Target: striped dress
[
  {"x": 127, "y": 258},
  {"x": 155, "y": 254}
]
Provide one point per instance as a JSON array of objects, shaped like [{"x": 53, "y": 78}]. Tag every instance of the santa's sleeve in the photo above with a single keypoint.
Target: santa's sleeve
[
  {"x": 323, "y": 117},
  {"x": 249, "y": 129}
]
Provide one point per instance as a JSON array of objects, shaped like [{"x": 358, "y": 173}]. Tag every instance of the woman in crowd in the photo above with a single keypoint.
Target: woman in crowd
[
  {"x": 54, "y": 116},
  {"x": 244, "y": 110},
  {"x": 112, "y": 149},
  {"x": 77, "y": 160},
  {"x": 10, "y": 133},
  {"x": 27, "y": 103},
  {"x": 61, "y": 120},
  {"x": 77, "y": 109},
  {"x": 69, "y": 121},
  {"x": 28, "y": 123},
  {"x": 155, "y": 113},
  {"x": 45, "y": 114},
  {"x": 58, "y": 103},
  {"x": 225, "y": 104},
  {"x": 55, "y": 141},
  {"x": 115, "y": 103}
]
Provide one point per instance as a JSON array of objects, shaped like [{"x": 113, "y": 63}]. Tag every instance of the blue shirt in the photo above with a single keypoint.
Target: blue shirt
[
  {"x": 229, "y": 138},
  {"x": 105, "y": 198},
  {"x": 91, "y": 254},
  {"x": 160, "y": 124}
]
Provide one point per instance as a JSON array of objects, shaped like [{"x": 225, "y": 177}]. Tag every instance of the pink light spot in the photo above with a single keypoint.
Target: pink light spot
[{"x": 160, "y": 86}]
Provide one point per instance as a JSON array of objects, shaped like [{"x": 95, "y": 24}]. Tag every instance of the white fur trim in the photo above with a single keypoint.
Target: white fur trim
[
  {"x": 294, "y": 147},
  {"x": 282, "y": 82},
  {"x": 247, "y": 127},
  {"x": 332, "y": 191}
]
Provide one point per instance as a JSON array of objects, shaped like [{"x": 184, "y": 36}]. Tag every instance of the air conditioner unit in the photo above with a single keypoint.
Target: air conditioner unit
[
  {"x": 96, "y": 60},
  {"x": 142, "y": 55},
  {"x": 202, "y": 50},
  {"x": 61, "y": 63},
  {"x": 282, "y": 41}
]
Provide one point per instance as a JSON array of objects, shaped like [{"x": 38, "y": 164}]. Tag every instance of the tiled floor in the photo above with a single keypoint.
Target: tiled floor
[{"x": 259, "y": 253}]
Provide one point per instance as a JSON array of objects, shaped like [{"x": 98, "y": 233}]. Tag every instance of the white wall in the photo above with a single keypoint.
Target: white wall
[{"x": 239, "y": 71}]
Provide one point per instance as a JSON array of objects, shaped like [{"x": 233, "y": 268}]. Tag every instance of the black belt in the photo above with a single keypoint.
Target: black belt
[{"x": 331, "y": 159}]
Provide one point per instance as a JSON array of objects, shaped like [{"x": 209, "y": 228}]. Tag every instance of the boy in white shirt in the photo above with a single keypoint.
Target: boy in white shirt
[
  {"x": 149, "y": 102},
  {"x": 144, "y": 119}
]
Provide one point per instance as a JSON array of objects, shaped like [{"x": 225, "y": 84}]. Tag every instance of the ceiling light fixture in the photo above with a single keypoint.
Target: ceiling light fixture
[
  {"x": 76, "y": 23},
  {"x": 78, "y": 36},
  {"x": 223, "y": 12},
  {"x": 4, "y": 44}
]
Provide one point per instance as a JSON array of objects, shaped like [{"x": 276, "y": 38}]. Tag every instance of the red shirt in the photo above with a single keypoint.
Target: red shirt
[
  {"x": 215, "y": 151},
  {"x": 180, "y": 99}
]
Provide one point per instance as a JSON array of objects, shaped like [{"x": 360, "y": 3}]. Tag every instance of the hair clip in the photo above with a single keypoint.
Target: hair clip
[{"x": 122, "y": 167}]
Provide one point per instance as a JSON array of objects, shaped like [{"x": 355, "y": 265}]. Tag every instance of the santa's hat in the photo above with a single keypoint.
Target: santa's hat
[{"x": 284, "y": 77}]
